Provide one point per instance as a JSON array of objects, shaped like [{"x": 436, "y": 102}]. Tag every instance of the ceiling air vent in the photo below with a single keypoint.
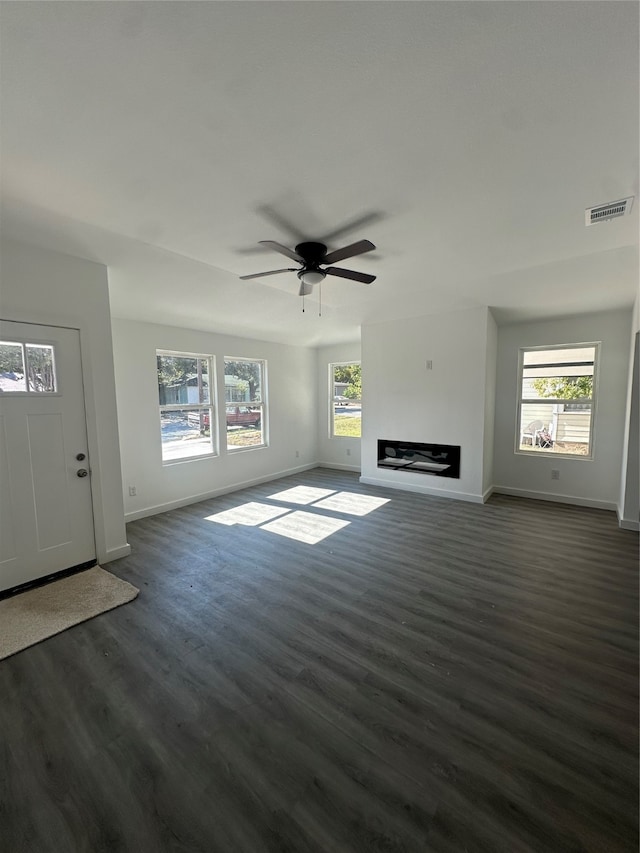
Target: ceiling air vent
[{"x": 612, "y": 210}]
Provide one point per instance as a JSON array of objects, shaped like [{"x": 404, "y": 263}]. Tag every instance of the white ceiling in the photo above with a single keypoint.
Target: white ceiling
[{"x": 166, "y": 139}]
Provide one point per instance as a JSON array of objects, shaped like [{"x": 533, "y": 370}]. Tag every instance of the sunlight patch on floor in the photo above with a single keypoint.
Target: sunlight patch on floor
[
  {"x": 301, "y": 495},
  {"x": 305, "y": 526},
  {"x": 351, "y": 503},
  {"x": 249, "y": 514}
]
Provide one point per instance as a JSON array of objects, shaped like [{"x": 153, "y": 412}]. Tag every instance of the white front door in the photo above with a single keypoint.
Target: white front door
[{"x": 46, "y": 514}]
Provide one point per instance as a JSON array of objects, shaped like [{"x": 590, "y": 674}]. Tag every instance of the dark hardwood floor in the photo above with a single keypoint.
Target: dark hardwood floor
[{"x": 433, "y": 676}]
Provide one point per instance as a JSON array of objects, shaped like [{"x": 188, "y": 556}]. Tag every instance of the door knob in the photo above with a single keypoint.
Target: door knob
[{"x": 82, "y": 472}]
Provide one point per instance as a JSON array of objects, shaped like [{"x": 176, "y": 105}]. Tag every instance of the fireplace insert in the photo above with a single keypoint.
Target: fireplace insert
[{"x": 439, "y": 460}]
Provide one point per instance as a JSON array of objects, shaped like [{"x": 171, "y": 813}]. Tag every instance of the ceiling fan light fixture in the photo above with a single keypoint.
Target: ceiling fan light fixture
[
  {"x": 311, "y": 277},
  {"x": 311, "y": 255}
]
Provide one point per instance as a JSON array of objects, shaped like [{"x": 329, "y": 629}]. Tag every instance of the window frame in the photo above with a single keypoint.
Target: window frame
[
  {"x": 24, "y": 343},
  {"x": 253, "y": 404},
  {"x": 520, "y": 401},
  {"x": 210, "y": 407},
  {"x": 331, "y": 395}
]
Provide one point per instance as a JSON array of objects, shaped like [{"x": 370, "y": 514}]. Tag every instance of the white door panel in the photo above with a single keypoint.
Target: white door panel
[{"x": 47, "y": 515}]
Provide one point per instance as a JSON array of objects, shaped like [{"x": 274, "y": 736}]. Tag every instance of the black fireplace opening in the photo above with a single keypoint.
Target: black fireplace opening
[{"x": 439, "y": 460}]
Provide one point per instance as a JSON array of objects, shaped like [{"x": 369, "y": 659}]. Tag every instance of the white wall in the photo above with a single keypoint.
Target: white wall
[
  {"x": 342, "y": 452},
  {"x": 45, "y": 287},
  {"x": 594, "y": 482},
  {"x": 291, "y": 378},
  {"x": 404, "y": 401}
]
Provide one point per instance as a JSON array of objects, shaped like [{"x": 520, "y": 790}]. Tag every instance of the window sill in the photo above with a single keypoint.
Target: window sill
[
  {"x": 550, "y": 454},
  {"x": 182, "y": 459}
]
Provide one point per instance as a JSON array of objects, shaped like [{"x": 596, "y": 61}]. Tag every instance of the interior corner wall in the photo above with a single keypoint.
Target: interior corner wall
[
  {"x": 44, "y": 287},
  {"x": 489, "y": 403},
  {"x": 629, "y": 508},
  {"x": 291, "y": 417},
  {"x": 629, "y": 503},
  {"x": 591, "y": 482},
  {"x": 405, "y": 400},
  {"x": 341, "y": 452}
]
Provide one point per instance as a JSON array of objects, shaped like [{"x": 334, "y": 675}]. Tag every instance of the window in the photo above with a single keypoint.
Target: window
[
  {"x": 345, "y": 394},
  {"x": 27, "y": 368},
  {"x": 187, "y": 422},
  {"x": 557, "y": 400},
  {"x": 245, "y": 401}
]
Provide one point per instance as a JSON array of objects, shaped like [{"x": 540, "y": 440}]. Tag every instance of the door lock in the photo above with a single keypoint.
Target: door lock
[{"x": 80, "y": 457}]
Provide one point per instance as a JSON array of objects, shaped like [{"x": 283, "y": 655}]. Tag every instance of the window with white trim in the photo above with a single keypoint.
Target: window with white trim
[
  {"x": 557, "y": 397},
  {"x": 186, "y": 396},
  {"x": 345, "y": 399},
  {"x": 245, "y": 394}
]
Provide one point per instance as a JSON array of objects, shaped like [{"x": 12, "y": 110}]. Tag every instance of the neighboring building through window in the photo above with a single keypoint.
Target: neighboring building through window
[
  {"x": 245, "y": 402},
  {"x": 557, "y": 400},
  {"x": 345, "y": 394},
  {"x": 186, "y": 392}
]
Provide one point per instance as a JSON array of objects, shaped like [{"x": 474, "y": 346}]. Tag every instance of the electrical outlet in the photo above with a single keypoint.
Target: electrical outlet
[
  {"x": 348, "y": 451},
  {"x": 132, "y": 491},
  {"x": 297, "y": 454},
  {"x": 555, "y": 474},
  {"x": 429, "y": 364}
]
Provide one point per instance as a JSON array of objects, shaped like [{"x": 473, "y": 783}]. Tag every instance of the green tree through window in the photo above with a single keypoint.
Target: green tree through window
[
  {"x": 345, "y": 393},
  {"x": 351, "y": 374},
  {"x": 565, "y": 387}
]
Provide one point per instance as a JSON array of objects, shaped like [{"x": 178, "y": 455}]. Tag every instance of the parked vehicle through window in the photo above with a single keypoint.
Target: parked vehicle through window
[
  {"x": 186, "y": 405},
  {"x": 345, "y": 390},
  {"x": 245, "y": 400}
]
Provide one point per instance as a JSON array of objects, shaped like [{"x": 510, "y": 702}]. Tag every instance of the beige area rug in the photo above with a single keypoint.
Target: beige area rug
[{"x": 35, "y": 615}]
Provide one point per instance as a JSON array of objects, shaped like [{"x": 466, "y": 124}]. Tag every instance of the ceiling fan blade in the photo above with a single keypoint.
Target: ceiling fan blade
[
  {"x": 270, "y": 272},
  {"x": 352, "y": 225},
  {"x": 283, "y": 250},
  {"x": 282, "y": 222},
  {"x": 358, "y": 248},
  {"x": 364, "y": 277},
  {"x": 305, "y": 289}
]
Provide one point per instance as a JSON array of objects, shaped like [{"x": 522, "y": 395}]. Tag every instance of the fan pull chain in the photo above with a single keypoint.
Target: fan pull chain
[
  {"x": 320, "y": 301},
  {"x": 303, "y": 302}
]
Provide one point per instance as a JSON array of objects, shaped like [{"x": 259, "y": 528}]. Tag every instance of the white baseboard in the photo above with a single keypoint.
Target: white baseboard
[
  {"x": 487, "y": 494},
  {"x": 423, "y": 490},
  {"x": 339, "y": 467},
  {"x": 194, "y": 499},
  {"x": 562, "y": 499},
  {"x": 627, "y": 523},
  {"x": 115, "y": 553}
]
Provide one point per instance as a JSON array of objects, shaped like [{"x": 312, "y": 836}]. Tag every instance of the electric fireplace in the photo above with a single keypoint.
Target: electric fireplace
[{"x": 439, "y": 460}]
